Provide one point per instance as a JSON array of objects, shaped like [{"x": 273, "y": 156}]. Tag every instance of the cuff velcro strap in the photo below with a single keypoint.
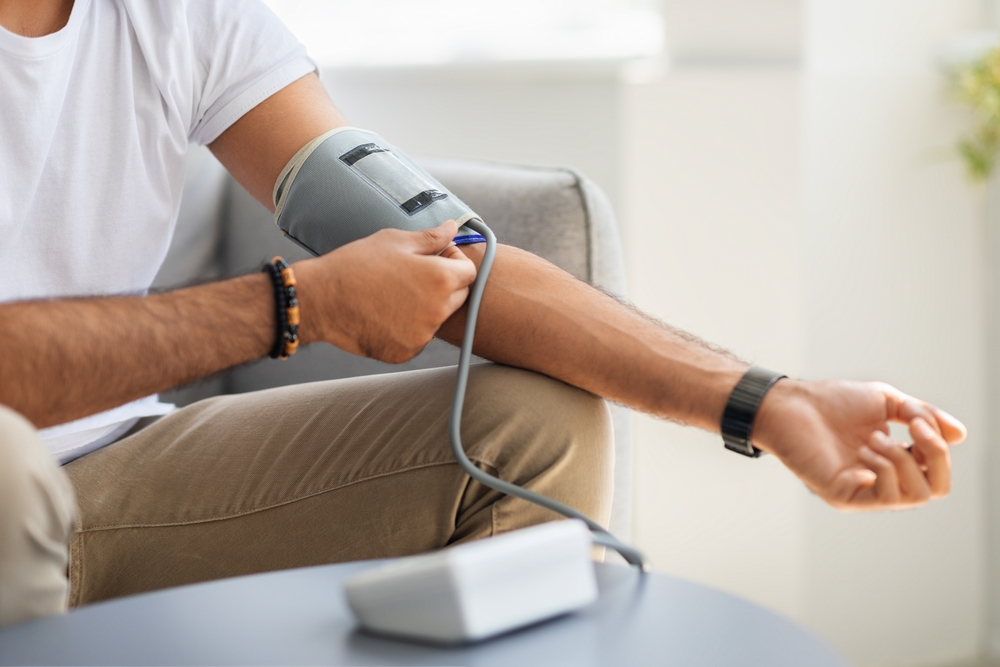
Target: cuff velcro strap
[{"x": 469, "y": 239}]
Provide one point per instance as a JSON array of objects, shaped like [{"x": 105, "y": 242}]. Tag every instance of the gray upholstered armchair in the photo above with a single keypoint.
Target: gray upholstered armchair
[{"x": 555, "y": 213}]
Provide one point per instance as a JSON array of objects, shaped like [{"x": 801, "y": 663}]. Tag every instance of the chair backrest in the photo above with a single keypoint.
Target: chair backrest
[{"x": 555, "y": 213}]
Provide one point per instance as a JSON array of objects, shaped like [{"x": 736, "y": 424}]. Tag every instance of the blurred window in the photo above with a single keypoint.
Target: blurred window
[{"x": 424, "y": 32}]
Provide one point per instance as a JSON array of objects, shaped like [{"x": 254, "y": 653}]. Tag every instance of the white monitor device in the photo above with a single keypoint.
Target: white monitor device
[{"x": 480, "y": 589}]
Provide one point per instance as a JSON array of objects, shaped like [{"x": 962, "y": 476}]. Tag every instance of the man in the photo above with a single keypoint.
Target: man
[{"x": 99, "y": 101}]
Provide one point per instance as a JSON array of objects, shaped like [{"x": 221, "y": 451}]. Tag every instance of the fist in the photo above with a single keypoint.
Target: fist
[{"x": 384, "y": 296}]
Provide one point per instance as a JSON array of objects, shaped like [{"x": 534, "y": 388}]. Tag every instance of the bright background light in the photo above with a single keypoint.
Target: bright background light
[{"x": 402, "y": 32}]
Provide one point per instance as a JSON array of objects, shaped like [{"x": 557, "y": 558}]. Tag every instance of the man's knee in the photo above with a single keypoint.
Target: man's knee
[
  {"x": 531, "y": 403},
  {"x": 36, "y": 522},
  {"x": 543, "y": 434}
]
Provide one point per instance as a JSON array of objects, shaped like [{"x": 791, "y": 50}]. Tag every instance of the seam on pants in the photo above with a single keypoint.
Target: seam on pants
[
  {"x": 224, "y": 517},
  {"x": 75, "y": 572}
]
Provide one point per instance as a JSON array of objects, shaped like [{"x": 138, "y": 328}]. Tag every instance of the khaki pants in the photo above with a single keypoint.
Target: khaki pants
[{"x": 321, "y": 473}]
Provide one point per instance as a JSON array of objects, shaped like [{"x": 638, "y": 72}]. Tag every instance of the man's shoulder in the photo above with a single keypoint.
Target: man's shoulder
[{"x": 191, "y": 21}]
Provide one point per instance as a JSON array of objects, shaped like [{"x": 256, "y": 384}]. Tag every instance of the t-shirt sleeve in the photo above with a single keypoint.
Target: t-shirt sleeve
[{"x": 243, "y": 54}]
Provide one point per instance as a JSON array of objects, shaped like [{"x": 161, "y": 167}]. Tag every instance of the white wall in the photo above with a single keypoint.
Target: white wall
[
  {"x": 872, "y": 269},
  {"x": 714, "y": 245},
  {"x": 525, "y": 113},
  {"x": 733, "y": 30},
  {"x": 895, "y": 291}
]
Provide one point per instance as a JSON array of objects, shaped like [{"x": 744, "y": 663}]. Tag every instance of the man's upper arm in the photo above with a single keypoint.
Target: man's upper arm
[{"x": 257, "y": 147}]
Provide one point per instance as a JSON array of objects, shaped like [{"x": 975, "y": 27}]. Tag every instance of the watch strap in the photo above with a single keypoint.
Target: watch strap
[{"x": 741, "y": 410}]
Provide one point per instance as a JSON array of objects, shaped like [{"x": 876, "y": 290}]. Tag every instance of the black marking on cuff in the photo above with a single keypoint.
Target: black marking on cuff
[
  {"x": 364, "y": 150},
  {"x": 422, "y": 200}
]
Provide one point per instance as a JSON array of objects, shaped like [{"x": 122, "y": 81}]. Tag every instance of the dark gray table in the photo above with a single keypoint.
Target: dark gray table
[{"x": 300, "y": 617}]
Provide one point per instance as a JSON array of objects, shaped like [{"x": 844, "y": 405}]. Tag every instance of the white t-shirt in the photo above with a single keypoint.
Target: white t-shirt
[{"x": 95, "y": 122}]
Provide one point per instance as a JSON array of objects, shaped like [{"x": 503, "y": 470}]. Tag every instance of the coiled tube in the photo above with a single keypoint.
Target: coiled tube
[{"x": 601, "y": 536}]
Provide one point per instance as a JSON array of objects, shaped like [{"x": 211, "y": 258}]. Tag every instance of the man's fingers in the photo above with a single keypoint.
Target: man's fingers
[
  {"x": 462, "y": 268},
  {"x": 914, "y": 486},
  {"x": 886, "y": 481},
  {"x": 457, "y": 298},
  {"x": 952, "y": 430},
  {"x": 853, "y": 488},
  {"x": 905, "y": 408},
  {"x": 432, "y": 241},
  {"x": 933, "y": 452}
]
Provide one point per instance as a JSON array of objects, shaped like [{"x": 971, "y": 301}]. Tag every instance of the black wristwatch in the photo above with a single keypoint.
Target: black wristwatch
[{"x": 741, "y": 410}]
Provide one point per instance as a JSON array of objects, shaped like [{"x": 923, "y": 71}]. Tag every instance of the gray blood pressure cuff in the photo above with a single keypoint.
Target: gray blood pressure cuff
[{"x": 350, "y": 183}]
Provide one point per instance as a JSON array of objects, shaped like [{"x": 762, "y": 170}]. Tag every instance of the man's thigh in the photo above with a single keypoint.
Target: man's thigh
[{"x": 329, "y": 472}]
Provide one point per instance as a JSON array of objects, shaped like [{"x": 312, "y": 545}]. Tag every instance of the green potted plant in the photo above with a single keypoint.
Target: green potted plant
[{"x": 978, "y": 87}]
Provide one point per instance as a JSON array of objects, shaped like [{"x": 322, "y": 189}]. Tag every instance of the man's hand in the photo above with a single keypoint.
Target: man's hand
[
  {"x": 835, "y": 436},
  {"x": 384, "y": 296}
]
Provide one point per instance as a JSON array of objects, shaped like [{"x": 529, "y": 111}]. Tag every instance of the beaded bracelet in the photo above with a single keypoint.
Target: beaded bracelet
[{"x": 286, "y": 305}]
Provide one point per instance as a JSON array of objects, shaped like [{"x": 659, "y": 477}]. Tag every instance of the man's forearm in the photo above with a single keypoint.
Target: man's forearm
[
  {"x": 69, "y": 358},
  {"x": 537, "y": 316}
]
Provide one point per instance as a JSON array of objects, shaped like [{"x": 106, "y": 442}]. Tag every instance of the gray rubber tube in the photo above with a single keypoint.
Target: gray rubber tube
[{"x": 601, "y": 536}]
